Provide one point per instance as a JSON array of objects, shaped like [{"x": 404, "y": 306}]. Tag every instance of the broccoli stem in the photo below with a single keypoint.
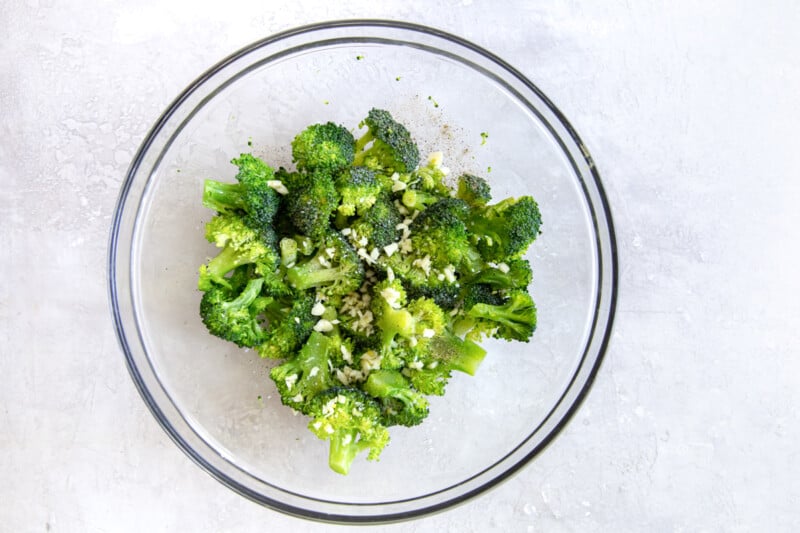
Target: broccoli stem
[
  {"x": 395, "y": 322},
  {"x": 360, "y": 145},
  {"x": 228, "y": 259},
  {"x": 419, "y": 200},
  {"x": 222, "y": 197},
  {"x": 343, "y": 450},
  {"x": 307, "y": 275},
  {"x": 460, "y": 354},
  {"x": 248, "y": 295}
]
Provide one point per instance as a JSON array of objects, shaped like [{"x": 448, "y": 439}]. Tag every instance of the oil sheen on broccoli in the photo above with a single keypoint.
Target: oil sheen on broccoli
[{"x": 370, "y": 277}]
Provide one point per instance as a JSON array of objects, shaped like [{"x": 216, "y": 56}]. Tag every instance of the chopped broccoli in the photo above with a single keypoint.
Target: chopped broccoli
[
  {"x": 327, "y": 147},
  {"x": 516, "y": 274},
  {"x": 379, "y": 224},
  {"x": 474, "y": 190},
  {"x": 233, "y": 317},
  {"x": 290, "y": 324},
  {"x": 504, "y": 230},
  {"x": 306, "y": 374},
  {"x": 401, "y": 404},
  {"x": 351, "y": 421},
  {"x": 359, "y": 190},
  {"x": 441, "y": 233},
  {"x": 335, "y": 268},
  {"x": 253, "y": 195},
  {"x": 311, "y": 200},
  {"x": 241, "y": 245},
  {"x": 515, "y": 319},
  {"x": 392, "y": 149},
  {"x": 366, "y": 275}
]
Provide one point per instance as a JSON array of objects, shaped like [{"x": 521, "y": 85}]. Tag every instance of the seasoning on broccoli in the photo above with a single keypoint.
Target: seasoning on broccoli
[{"x": 369, "y": 277}]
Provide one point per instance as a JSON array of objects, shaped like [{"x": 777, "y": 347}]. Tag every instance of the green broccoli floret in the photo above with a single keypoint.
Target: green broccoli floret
[
  {"x": 440, "y": 233},
  {"x": 359, "y": 189},
  {"x": 431, "y": 176},
  {"x": 474, "y": 190},
  {"x": 305, "y": 375},
  {"x": 327, "y": 147},
  {"x": 415, "y": 324},
  {"x": 311, "y": 200},
  {"x": 515, "y": 319},
  {"x": 241, "y": 245},
  {"x": 351, "y": 421},
  {"x": 379, "y": 224},
  {"x": 505, "y": 230},
  {"x": 480, "y": 293},
  {"x": 392, "y": 149},
  {"x": 402, "y": 405},
  {"x": 234, "y": 317},
  {"x": 334, "y": 269},
  {"x": 446, "y": 352},
  {"x": 252, "y": 196},
  {"x": 517, "y": 274},
  {"x": 290, "y": 324}
]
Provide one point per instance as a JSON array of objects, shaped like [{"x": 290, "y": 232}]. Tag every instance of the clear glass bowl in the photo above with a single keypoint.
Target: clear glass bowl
[{"x": 216, "y": 401}]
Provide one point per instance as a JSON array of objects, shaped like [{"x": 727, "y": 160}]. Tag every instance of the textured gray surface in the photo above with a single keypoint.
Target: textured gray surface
[{"x": 690, "y": 112}]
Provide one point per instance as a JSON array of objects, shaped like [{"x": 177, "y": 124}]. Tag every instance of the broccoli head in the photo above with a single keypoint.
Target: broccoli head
[
  {"x": 290, "y": 322},
  {"x": 252, "y": 195},
  {"x": 514, "y": 319},
  {"x": 474, "y": 190},
  {"x": 241, "y": 245},
  {"x": 379, "y": 224},
  {"x": 402, "y": 405},
  {"x": 327, "y": 147},
  {"x": 440, "y": 233},
  {"x": 311, "y": 200},
  {"x": 306, "y": 374},
  {"x": 514, "y": 274},
  {"x": 359, "y": 189},
  {"x": 351, "y": 421},
  {"x": 234, "y": 317},
  {"x": 392, "y": 149},
  {"x": 335, "y": 269},
  {"x": 505, "y": 230}
]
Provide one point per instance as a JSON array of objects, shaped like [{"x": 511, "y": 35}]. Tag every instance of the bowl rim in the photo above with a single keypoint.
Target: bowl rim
[{"x": 604, "y": 338}]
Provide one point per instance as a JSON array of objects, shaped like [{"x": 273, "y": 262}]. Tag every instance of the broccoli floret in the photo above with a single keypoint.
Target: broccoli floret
[
  {"x": 359, "y": 190},
  {"x": 252, "y": 196},
  {"x": 241, "y": 245},
  {"x": 440, "y": 233},
  {"x": 505, "y": 230},
  {"x": 328, "y": 147},
  {"x": 446, "y": 352},
  {"x": 334, "y": 269},
  {"x": 311, "y": 200},
  {"x": 233, "y": 317},
  {"x": 392, "y": 149},
  {"x": 379, "y": 224},
  {"x": 415, "y": 324},
  {"x": 474, "y": 190},
  {"x": 514, "y": 319},
  {"x": 351, "y": 421},
  {"x": 517, "y": 274},
  {"x": 480, "y": 293},
  {"x": 290, "y": 324},
  {"x": 300, "y": 378},
  {"x": 401, "y": 404}
]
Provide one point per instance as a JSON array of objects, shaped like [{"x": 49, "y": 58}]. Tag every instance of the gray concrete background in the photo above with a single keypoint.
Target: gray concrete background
[{"x": 690, "y": 111}]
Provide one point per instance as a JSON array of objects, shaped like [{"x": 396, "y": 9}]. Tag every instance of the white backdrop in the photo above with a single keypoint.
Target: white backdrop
[{"x": 690, "y": 110}]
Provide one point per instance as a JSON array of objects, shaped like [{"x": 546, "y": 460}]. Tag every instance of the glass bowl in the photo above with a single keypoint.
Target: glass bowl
[{"x": 217, "y": 402}]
